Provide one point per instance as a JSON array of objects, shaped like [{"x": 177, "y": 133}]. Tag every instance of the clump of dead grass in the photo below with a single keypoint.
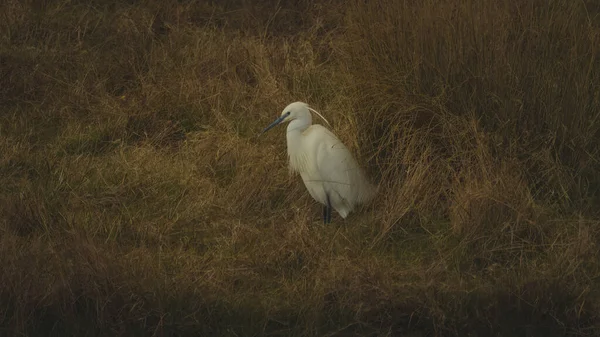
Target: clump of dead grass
[{"x": 136, "y": 199}]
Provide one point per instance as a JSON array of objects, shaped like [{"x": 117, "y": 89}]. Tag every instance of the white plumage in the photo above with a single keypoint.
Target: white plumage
[{"x": 326, "y": 166}]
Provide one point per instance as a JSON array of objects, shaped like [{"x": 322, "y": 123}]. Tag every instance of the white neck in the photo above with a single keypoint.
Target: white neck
[
  {"x": 300, "y": 123},
  {"x": 294, "y": 141}
]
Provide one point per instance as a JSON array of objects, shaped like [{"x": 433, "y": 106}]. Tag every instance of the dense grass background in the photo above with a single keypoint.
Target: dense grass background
[{"x": 136, "y": 199}]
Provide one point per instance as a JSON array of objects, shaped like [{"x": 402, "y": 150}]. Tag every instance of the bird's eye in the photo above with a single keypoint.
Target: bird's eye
[{"x": 288, "y": 113}]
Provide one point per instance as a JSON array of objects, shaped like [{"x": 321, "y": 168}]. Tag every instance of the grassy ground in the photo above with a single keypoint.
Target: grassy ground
[{"x": 137, "y": 200}]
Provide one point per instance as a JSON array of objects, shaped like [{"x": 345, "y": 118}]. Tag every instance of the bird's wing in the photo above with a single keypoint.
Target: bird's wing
[{"x": 336, "y": 165}]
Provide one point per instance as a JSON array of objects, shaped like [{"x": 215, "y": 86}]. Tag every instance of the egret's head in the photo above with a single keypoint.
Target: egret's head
[{"x": 294, "y": 111}]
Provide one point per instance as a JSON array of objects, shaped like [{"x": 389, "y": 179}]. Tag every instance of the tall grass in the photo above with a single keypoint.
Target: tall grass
[{"x": 136, "y": 198}]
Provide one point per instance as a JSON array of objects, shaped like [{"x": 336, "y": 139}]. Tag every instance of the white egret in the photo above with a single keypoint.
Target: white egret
[{"x": 327, "y": 167}]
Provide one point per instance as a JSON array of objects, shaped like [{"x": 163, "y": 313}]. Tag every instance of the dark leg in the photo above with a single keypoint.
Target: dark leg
[
  {"x": 328, "y": 211},
  {"x": 324, "y": 213}
]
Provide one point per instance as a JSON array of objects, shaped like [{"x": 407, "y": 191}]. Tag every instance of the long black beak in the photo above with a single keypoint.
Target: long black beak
[{"x": 275, "y": 123}]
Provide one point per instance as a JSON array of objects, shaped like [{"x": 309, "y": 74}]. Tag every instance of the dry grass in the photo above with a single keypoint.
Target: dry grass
[{"x": 136, "y": 199}]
